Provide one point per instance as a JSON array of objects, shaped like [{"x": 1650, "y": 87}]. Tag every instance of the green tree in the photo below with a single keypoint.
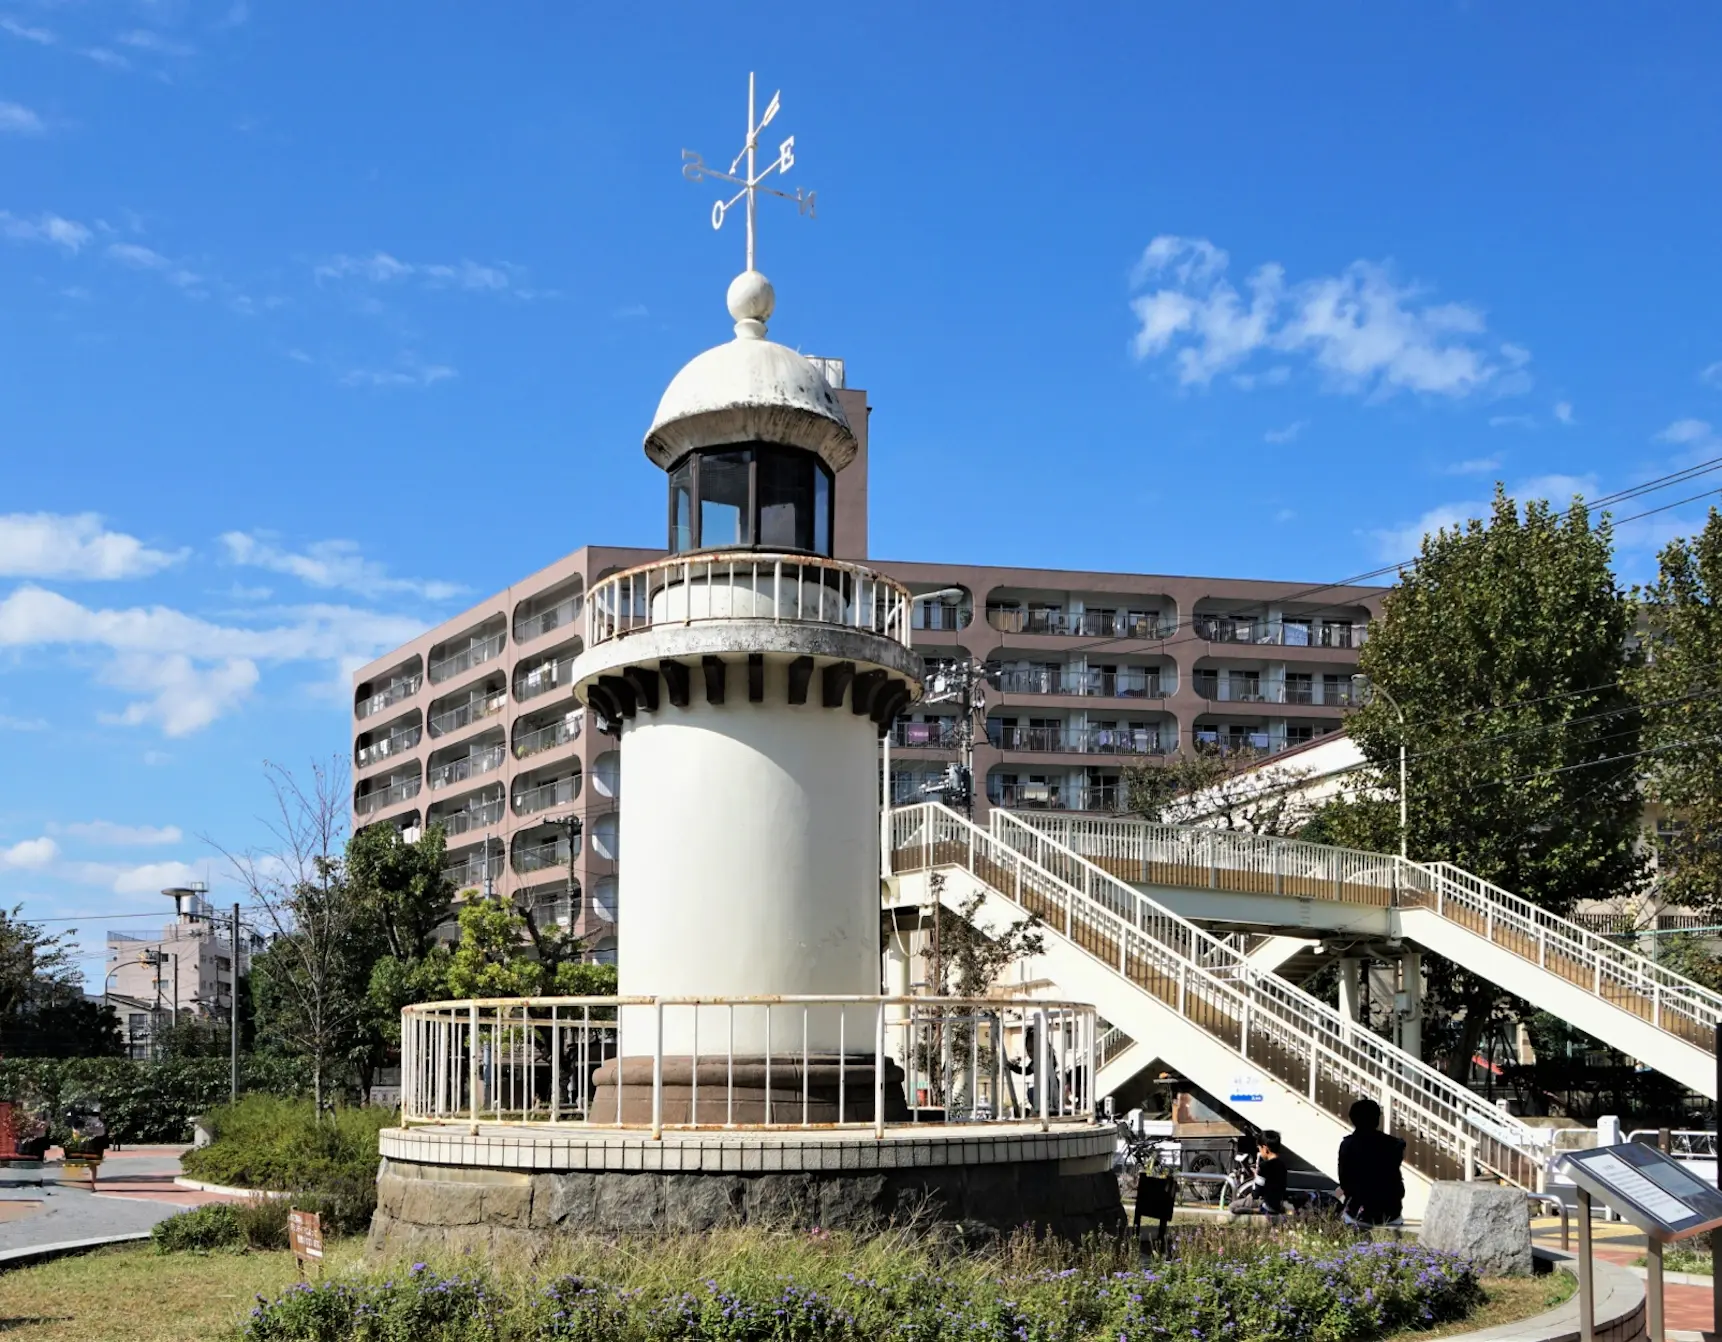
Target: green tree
[
  {"x": 492, "y": 958},
  {"x": 1204, "y": 786},
  {"x": 1506, "y": 646},
  {"x": 1680, "y": 685}
]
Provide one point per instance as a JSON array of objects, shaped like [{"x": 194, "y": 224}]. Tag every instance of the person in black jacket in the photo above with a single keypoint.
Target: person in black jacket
[
  {"x": 1271, "y": 1173},
  {"x": 1370, "y": 1183}
]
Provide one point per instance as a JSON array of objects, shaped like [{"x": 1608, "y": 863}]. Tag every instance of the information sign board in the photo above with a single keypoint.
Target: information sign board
[
  {"x": 1654, "y": 1191},
  {"x": 305, "y": 1237}
]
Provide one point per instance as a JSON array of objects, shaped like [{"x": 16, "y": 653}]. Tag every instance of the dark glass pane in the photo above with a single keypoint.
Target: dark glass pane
[
  {"x": 821, "y": 509},
  {"x": 723, "y": 499},
  {"x": 682, "y": 507},
  {"x": 786, "y": 500}
]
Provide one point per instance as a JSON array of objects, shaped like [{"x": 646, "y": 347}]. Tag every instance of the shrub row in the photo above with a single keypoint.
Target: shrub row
[
  {"x": 144, "y": 1101},
  {"x": 266, "y": 1141},
  {"x": 1271, "y": 1294}
]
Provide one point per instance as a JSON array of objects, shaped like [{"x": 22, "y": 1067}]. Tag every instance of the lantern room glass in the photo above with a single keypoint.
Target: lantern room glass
[{"x": 751, "y": 496}]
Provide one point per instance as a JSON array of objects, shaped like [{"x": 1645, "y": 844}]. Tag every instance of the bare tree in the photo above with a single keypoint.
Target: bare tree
[
  {"x": 1206, "y": 787},
  {"x": 300, "y": 886}
]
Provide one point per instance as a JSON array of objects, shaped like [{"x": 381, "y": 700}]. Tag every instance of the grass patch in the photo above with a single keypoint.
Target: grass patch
[
  {"x": 130, "y": 1293},
  {"x": 1508, "y": 1300},
  {"x": 1684, "y": 1258}
]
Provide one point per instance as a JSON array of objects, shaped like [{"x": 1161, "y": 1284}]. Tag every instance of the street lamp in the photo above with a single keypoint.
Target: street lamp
[{"x": 1363, "y": 684}]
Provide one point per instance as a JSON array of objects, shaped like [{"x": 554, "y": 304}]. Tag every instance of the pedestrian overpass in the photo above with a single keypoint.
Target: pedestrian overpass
[{"x": 1121, "y": 902}]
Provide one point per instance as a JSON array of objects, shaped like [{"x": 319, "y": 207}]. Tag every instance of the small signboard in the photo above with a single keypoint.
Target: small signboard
[
  {"x": 1246, "y": 1088},
  {"x": 1653, "y": 1191},
  {"x": 305, "y": 1237}
]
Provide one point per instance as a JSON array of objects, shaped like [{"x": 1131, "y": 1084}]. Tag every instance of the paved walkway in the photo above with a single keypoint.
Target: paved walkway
[
  {"x": 134, "y": 1189},
  {"x": 1688, "y": 1311}
]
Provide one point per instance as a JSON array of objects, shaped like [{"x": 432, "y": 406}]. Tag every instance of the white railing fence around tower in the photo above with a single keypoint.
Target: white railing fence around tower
[
  {"x": 1307, "y": 1045},
  {"x": 740, "y": 585},
  {"x": 1143, "y": 853},
  {"x": 812, "y": 1062}
]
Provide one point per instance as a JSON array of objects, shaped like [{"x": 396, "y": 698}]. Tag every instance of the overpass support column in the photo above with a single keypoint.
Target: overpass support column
[
  {"x": 1350, "y": 986},
  {"x": 1410, "y": 1004}
]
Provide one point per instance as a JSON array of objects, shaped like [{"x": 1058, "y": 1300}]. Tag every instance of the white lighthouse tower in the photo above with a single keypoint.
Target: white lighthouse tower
[{"x": 751, "y": 674}]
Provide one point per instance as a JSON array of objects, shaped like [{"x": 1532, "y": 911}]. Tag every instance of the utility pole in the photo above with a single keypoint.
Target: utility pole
[{"x": 233, "y": 1015}]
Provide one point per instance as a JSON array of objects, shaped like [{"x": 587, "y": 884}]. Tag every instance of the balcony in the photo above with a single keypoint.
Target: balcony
[
  {"x": 541, "y": 855},
  {"x": 1289, "y": 633},
  {"x": 471, "y": 817},
  {"x": 477, "y": 762},
  {"x": 941, "y": 615},
  {"x": 939, "y": 735},
  {"x": 470, "y": 868},
  {"x": 533, "y": 619},
  {"x": 377, "y": 799},
  {"x": 395, "y": 743},
  {"x": 1123, "y": 683},
  {"x": 474, "y": 654},
  {"x": 536, "y": 740},
  {"x": 1235, "y": 689},
  {"x": 473, "y": 709},
  {"x": 547, "y": 795},
  {"x": 1087, "y": 624},
  {"x": 1324, "y": 693},
  {"x": 545, "y": 673},
  {"x": 1065, "y": 740},
  {"x": 1053, "y": 796},
  {"x": 403, "y": 687}
]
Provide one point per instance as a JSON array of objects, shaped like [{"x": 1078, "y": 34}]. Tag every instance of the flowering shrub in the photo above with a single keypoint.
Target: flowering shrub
[{"x": 1252, "y": 1291}]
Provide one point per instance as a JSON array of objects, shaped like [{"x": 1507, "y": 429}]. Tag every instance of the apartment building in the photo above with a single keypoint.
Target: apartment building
[
  {"x": 186, "y": 971},
  {"x": 473, "y": 725}
]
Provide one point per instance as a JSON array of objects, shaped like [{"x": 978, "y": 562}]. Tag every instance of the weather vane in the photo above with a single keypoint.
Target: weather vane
[{"x": 695, "y": 170}]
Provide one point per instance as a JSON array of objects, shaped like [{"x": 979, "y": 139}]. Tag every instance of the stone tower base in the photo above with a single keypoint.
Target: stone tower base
[{"x": 510, "y": 1190}]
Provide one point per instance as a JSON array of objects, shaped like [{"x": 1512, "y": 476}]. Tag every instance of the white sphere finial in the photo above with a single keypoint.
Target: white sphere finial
[{"x": 751, "y": 300}]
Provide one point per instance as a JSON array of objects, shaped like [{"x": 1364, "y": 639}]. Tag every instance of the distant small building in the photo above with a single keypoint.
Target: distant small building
[{"x": 187, "y": 971}]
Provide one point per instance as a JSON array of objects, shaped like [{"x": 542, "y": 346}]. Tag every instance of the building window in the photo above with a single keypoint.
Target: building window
[{"x": 752, "y": 495}]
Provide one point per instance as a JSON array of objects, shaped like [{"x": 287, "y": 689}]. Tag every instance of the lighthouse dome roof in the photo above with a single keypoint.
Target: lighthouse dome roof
[{"x": 750, "y": 390}]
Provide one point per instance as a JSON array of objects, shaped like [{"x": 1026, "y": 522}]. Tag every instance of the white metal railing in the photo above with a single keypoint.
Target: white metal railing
[
  {"x": 740, "y": 585},
  {"x": 369, "y": 803},
  {"x": 478, "y": 651},
  {"x": 1192, "y": 855},
  {"x": 392, "y": 693},
  {"x": 467, "y": 766},
  {"x": 542, "y": 856},
  {"x": 546, "y": 738},
  {"x": 838, "y": 1061},
  {"x": 1111, "y": 1043},
  {"x": 468, "y": 711},
  {"x": 534, "y": 626},
  {"x": 1306, "y": 1044},
  {"x": 392, "y": 744},
  {"x": 469, "y": 818},
  {"x": 1667, "y": 1000},
  {"x": 558, "y": 792},
  {"x": 543, "y": 678}
]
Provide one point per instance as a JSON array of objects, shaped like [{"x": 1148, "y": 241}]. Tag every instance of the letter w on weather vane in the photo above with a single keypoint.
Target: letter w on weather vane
[{"x": 695, "y": 169}]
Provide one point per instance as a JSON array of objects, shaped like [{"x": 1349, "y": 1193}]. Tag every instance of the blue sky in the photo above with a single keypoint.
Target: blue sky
[{"x": 290, "y": 295}]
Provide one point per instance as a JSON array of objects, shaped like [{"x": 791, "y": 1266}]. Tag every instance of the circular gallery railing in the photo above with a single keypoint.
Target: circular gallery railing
[
  {"x": 743, "y": 585},
  {"x": 700, "y": 1063}
]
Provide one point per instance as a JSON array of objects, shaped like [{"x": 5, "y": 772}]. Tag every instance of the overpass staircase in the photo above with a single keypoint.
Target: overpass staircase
[
  {"x": 1171, "y": 990},
  {"x": 1665, "y": 1021}
]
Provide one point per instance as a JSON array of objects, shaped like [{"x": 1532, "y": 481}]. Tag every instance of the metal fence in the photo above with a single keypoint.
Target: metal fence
[
  {"x": 839, "y": 1061},
  {"x": 781, "y": 589}
]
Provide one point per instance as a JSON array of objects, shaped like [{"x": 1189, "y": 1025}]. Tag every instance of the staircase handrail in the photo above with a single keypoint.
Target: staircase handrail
[
  {"x": 1671, "y": 994},
  {"x": 1411, "y": 1089}
]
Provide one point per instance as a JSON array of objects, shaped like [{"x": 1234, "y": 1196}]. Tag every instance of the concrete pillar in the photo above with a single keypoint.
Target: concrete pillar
[
  {"x": 897, "y": 980},
  {"x": 1411, "y": 1003},
  {"x": 1350, "y": 986}
]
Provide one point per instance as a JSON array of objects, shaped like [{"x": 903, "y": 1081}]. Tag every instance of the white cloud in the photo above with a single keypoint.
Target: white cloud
[
  {"x": 12, "y": 724},
  {"x": 1397, "y": 544},
  {"x": 1285, "y": 515},
  {"x": 1563, "y": 412},
  {"x": 55, "y": 545},
  {"x": 1474, "y": 466},
  {"x": 103, "y": 56},
  {"x": 128, "y": 836},
  {"x": 31, "y": 854},
  {"x": 42, "y": 37},
  {"x": 409, "y": 375},
  {"x": 189, "y": 671},
  {"x": 144, "y": 258},
  {"x": 1364, "y": 331},
  {"x": 1512, "y": 421},
  {"x": 182, "y": 696},
  {"x": 1286, "y": 435},
  {"x": 153, "y": 877},
  {"x": 16, "y": 119},
  {"x": 1685, "y": 432},
  {"x": 381, "y": 268},
  {"x": 331, "y": 564},
  {"x": 1712, "y": 374},
  {"x": 66, "y": 234},
  {"x": 142, "y": 39}
]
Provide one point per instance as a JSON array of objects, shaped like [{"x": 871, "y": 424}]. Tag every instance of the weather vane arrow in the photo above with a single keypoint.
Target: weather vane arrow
[{"x": 695, "y": 169}]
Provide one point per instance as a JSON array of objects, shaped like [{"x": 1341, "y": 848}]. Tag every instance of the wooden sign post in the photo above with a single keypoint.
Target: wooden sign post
[{"x": 305, "y": 1237}]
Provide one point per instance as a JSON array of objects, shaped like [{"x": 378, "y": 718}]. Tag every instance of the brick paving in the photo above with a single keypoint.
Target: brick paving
[
  {"x": 134, "y": 1189},
  {"x": 1688, "y": 1311}
]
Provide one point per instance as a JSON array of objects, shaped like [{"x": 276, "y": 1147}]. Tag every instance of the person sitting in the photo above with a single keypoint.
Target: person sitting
[
  {"x": 1266, "y": 1192},
  {"x": 1371, "y": 1186}
]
